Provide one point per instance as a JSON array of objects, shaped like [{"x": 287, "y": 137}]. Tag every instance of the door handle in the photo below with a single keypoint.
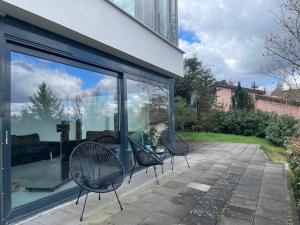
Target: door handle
[{"x": 6, "y": 137}]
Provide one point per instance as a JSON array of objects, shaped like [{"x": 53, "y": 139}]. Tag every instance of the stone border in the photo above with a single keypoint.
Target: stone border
[{"x": 293, "y": 217}]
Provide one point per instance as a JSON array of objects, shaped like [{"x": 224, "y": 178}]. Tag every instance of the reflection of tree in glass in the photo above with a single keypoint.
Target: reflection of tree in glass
[
  {"x": 42, "y": 114},
  {"x": 98, "y": 112},
  {"x": 77, "y": 107},
  {"x": 45, "y": 106},
  {"x": 155, "y": 104}
]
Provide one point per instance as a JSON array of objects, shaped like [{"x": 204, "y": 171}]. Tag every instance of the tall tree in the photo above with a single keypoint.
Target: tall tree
[
  {"x": 198, "y": 81},
  {"x": 185, "y": 115},
  {"x": 184, "y": 86},
  {"x": 241, "y": 100},
  {"x": 283, "y": 47}
]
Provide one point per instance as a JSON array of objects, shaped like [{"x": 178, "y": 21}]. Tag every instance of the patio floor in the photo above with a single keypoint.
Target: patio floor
[{"x": 227, "y": 184}]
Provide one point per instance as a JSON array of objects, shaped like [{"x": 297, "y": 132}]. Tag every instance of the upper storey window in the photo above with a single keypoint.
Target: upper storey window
[{"x": 159, "y": 15}]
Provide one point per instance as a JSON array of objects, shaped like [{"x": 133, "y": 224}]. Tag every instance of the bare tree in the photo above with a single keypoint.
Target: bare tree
[{"x": 283, "y": 47}]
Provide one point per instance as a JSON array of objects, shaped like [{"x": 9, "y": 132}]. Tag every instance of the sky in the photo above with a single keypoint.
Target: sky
[{"x": 228, "y": 36}]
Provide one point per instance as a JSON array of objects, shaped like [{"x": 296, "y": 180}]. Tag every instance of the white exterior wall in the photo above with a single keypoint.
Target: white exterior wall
[{"x": 101, "y": 25}]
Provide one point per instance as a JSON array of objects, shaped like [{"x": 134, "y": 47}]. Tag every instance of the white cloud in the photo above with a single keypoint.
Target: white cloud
[
  {"x": 26, "y": 77},
  {"x": 108, "y": 85},
  {"x": 231, "y": 34}
]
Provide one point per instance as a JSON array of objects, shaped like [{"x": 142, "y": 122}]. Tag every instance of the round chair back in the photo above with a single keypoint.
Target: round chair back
[
  {"x": 96, "y": 168},
  {"x": 174, "y": 144}
]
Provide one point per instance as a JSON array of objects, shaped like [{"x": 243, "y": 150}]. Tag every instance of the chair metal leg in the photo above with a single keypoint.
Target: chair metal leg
[
  {"x": 118, "y": 200},
  {"x": 173, "y": 163},
  {"x": 99, "y": 197},
  {"x": 84, "y": 206},
  {"x": 154, "y": 167},
  {"x": 78, "y": 196},
  {"x": 131, "y": 173},
  {"x": 187, "y": 161},
  {"x": 162, "y": 168},
  {"x": 147, "y": 169}
]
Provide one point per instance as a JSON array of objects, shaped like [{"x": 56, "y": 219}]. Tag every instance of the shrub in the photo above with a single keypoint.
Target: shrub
[
  {"x": 210, "y": 121},
  {"x": 294, "y": 172},
  {"x": 245, "y": 122},
  {"x": 280, "y": 128}
]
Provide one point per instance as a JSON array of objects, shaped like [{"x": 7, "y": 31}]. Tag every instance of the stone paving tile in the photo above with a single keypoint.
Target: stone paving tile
[
  {"x": 168, "y": 192},
  {"x": 143, "y": 209},
  {"x": 159, "y": 219},
  {"x": 199, "y": 186},
  {"x": 267, "y": 221},
  {"x": 173, "y": 209},
  {"x": 253, "y": 196},
  {"x": 239, "y": 212},
  {"x": 125, "y": 218},
  {"x": 248, "y": 188},
  {"x": 205, "y": 180},
  {"x": 187, "y": 197},
  {"x": 272, "y": 209},
  {"x": 174, "y": 185},
  {"x": 243, "y": 203},
  {"x": 224, "y": 220}
]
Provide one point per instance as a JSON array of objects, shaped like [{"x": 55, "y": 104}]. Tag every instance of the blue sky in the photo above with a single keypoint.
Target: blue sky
[
  {"x": 228, "y": 36},
  {"x": 89, "y": 78},
  {"x": 188, "y": 36}
]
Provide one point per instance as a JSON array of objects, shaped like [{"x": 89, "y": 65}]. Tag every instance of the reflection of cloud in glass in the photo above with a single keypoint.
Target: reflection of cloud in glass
[
  {"x": 127, "y": 5},
  {"x": 17, "y": 108},
  {"x": 107, "y": 85},
  {"x": 30, "y": 75}
]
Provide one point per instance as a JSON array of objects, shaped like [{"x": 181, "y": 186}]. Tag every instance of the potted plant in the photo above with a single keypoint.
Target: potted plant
[{"x": 154, "y": 137}]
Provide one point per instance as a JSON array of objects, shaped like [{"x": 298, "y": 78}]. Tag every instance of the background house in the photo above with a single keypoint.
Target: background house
[{"x": 279, "y": 102}]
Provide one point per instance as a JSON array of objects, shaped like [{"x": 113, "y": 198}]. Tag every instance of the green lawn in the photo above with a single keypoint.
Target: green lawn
[{"x": 275, "y": 153}]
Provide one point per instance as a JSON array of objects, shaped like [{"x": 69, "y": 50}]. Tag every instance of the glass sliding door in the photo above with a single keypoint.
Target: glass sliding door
[
  {"x": 54, "y": 107},
  {"x": 148, "y": 112}
]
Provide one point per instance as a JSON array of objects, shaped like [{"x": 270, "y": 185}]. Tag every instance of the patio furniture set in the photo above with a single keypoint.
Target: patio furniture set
[{"x": 96, "y": 168}]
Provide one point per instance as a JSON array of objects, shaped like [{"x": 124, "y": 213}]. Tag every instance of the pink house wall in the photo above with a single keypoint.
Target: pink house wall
[
  {"x": 223, "y": 97},
  {"x": 278, "y": 107}
]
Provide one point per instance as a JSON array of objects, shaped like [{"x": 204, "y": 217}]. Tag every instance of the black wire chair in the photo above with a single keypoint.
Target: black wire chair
[
  {"x": 175, "y": 145},
  {"x": 144, "y": 157},
  {"x": 95, "y": 168}
]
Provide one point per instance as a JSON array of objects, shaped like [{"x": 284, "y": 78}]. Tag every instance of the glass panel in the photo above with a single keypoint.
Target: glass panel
[
  {"x": 54, "y": 107},
  {"x": 127, "y": 5},
  {"x": 173, "y": 22},
  {"x": 164, "y": 22},
  {"x": 145, "y": 12},
  {"x": 152, "y": 12},
  {"x": 148, "y": 112}
]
